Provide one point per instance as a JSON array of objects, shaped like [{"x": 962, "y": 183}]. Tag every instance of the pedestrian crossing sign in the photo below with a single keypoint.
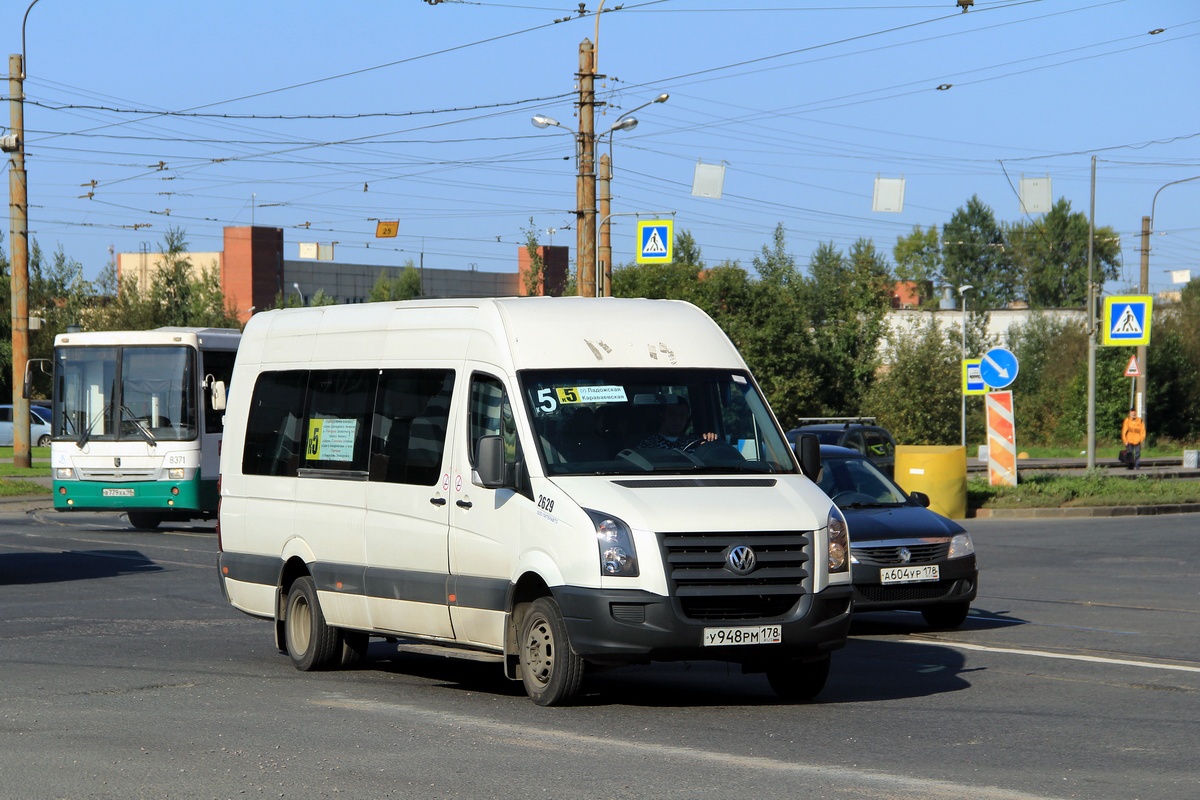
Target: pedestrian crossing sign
[
  {"x": 656, "y": 241},
  {"x": 1127, "y": 321}
]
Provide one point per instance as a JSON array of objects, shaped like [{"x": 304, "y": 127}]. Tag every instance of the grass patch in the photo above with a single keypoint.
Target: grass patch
[
  {"x": 11, "y": 487},
  {"x": 1048, "y": 490}
]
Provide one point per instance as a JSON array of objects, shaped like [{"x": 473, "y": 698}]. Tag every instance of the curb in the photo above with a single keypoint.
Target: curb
[{"x": 1084, "y": 511}]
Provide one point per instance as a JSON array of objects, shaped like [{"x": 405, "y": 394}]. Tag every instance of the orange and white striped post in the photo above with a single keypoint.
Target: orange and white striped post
[{"x": 1002, "y": 439}]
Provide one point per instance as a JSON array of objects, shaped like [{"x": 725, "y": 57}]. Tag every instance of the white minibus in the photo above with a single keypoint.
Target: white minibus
[{"x": 547, "y": 483}]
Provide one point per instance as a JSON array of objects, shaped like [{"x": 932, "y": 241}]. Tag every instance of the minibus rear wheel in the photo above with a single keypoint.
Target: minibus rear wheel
[
  {"x": 311, "y": 644},
  {"x": 551, "y": 671}
]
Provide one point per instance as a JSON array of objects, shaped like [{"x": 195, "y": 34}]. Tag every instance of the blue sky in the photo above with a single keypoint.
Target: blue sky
[{"x": 321, "y": 118}]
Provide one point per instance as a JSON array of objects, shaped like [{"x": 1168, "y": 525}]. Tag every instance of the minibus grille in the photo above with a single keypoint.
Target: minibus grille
[{"x": 706, "y": 587}]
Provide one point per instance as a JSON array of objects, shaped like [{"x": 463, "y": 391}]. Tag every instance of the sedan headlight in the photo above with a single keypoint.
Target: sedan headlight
[
  {"x": 618, "y": 557},
  {"x": 839, "y": 541},
  {"x": 961, "y": 545}
]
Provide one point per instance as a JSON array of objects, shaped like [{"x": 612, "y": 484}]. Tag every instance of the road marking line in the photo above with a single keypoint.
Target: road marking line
[{"x": 1047, "y": 654}]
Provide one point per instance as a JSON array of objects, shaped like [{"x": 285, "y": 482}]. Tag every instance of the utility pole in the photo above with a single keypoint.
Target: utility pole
[
  {"x": 1139, "y": 399},
  {"x": 604, "y": 268},
  {"x": 585, "y": 215},
  {"x": 1092, "y": 327},
  {"x": 19, "y": 238}
]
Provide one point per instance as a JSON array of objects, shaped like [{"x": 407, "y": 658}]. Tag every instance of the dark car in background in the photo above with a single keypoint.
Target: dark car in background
[
  {"x": 857, "y": 433},
  {"x": 902, "y": 555}
]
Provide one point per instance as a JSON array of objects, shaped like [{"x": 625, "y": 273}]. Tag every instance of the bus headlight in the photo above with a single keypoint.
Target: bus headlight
[
  {"x": 618, "y": 557},
  {"x": 175, "y": 473},
  {"x": 64, "y": 474},
  {"x": 839, "y": 541}
]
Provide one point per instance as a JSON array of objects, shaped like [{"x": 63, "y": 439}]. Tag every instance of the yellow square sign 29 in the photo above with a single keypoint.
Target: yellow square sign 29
[{"x": 656, "y": 241}]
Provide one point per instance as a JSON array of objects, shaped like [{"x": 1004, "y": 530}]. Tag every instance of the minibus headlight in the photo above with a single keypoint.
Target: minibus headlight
[
  {"x": 64, "y": 473},
  {"x": 618, "y": 557},
  {"x": 961, "y": 545},
  {"x": 839, "y": 541}
]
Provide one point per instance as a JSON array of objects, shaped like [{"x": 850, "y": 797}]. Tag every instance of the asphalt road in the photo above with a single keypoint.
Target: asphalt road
[{"x": 124, "y": 674}]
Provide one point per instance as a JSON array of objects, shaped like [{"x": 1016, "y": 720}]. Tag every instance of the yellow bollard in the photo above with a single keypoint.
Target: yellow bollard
[{"x": 938, "y": 471}]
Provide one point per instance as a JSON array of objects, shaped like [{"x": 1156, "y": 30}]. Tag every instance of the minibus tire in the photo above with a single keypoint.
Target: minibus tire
[
  {"x": 551, "y": 671},
  {"x": 311, "y": 644},
  {"x": 798, "y": 681},
  {"x": 354, "y": 647}
]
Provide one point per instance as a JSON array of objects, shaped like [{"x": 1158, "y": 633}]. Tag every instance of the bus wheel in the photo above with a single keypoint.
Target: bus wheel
[
  {"x": 145, "y": 520},
  {"x": 550, "y": 669},
  {"x": 311, "y": 644},
  {"x": 798, "y": 681}
]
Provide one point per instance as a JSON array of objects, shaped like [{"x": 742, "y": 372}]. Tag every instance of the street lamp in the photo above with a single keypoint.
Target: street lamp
[
  {"x": 296, "y": 286},
  {"x": 587, "y": 240},
  {"x": 962, "y": 290},
  {"x": 627, "y": 122}
]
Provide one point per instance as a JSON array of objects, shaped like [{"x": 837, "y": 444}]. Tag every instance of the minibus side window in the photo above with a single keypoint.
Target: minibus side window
[
  {"x": 340, "y": 406},
  {"x": 274, "y": 434},
  {"x": 490, "y": 414},
  {"x": 408, "y": 431}
]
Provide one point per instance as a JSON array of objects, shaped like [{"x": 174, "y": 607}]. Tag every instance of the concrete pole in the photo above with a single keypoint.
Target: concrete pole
[
  {"x": 1092, "y": 329},
  {"x": 586, "y": 186},
  {"x": 19, "y": 244},
  {"x": 605, "y": 197},
  {"x": 1143, "y": 288}
]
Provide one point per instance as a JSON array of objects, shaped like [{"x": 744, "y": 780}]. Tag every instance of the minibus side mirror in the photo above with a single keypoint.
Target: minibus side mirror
[
  {"x": 808, "y": 450},
  {"x": 489, "y": 462}
]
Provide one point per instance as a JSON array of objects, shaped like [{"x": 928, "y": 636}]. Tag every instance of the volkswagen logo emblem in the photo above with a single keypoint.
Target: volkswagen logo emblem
[
  {"x": 741, "y": 559},
  {"x": 905, "y": 555}
]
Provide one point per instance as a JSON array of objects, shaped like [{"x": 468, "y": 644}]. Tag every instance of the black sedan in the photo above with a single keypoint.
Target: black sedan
[{"x": 902, "y": 555}]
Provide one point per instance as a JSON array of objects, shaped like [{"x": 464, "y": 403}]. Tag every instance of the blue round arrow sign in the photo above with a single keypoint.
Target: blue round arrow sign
[{"x": 998, "y": 368}]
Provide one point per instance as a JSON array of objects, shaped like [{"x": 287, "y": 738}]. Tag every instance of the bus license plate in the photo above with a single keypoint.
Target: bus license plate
[
  {"x": 116, "y": 492},
  {"x": 758, "y": 634},
  {"x": 925, "y": 572}
]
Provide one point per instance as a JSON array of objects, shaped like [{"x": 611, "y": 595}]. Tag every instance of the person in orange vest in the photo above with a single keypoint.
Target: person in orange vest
[{"x": 1133, "y": 433}]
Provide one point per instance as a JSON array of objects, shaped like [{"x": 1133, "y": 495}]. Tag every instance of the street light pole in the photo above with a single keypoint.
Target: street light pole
[
  {"x": 627, "y": 122},
  {"x": 962, "y": 290}
]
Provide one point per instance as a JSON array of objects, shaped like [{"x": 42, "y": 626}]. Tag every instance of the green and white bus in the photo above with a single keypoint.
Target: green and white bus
[{"x": 135, "y": 425}]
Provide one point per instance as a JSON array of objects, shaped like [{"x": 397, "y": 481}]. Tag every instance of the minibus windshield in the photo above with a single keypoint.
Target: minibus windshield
[{"x": 635, "y": 421}]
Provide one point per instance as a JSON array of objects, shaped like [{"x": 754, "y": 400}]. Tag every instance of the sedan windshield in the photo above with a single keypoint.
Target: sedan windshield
[
  {"x": 856, "y": 482},
  {"x": 634, "y": 421}
]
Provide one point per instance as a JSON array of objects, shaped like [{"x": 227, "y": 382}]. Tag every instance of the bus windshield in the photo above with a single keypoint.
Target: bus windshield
[
  {"x": 634, "y": 421},
  {"x": 119, "y": 393}
]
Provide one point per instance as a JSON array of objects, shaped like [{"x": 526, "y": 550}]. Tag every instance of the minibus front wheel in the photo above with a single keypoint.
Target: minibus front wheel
[
  {"x": 311, "y": 644},
  {"x": 551, "y": 671}
]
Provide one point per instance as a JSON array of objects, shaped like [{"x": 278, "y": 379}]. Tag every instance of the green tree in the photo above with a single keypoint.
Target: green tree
[
  {"x": 973, "y": 253},
  {"x": 918, "y": 258},
  {"x": 405, "y": 286},
  {"x": 1172, "y": 403},
  {"x": 918, "y": 395},
  {"x": 1052, "y": 352},
  {"x": 1050, "y": 256},
  {"x": 687, "y": 251}
]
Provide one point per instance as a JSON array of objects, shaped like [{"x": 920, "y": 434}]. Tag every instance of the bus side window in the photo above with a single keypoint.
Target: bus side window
[{"x": 412, "y": 414}]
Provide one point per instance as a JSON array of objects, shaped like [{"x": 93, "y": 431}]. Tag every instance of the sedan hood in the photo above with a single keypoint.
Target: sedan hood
[{"x": 899, "y": 522}]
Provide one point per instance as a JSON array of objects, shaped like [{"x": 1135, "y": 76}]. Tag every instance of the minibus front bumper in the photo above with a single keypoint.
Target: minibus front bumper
[{"x": 621, "y": 627}]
